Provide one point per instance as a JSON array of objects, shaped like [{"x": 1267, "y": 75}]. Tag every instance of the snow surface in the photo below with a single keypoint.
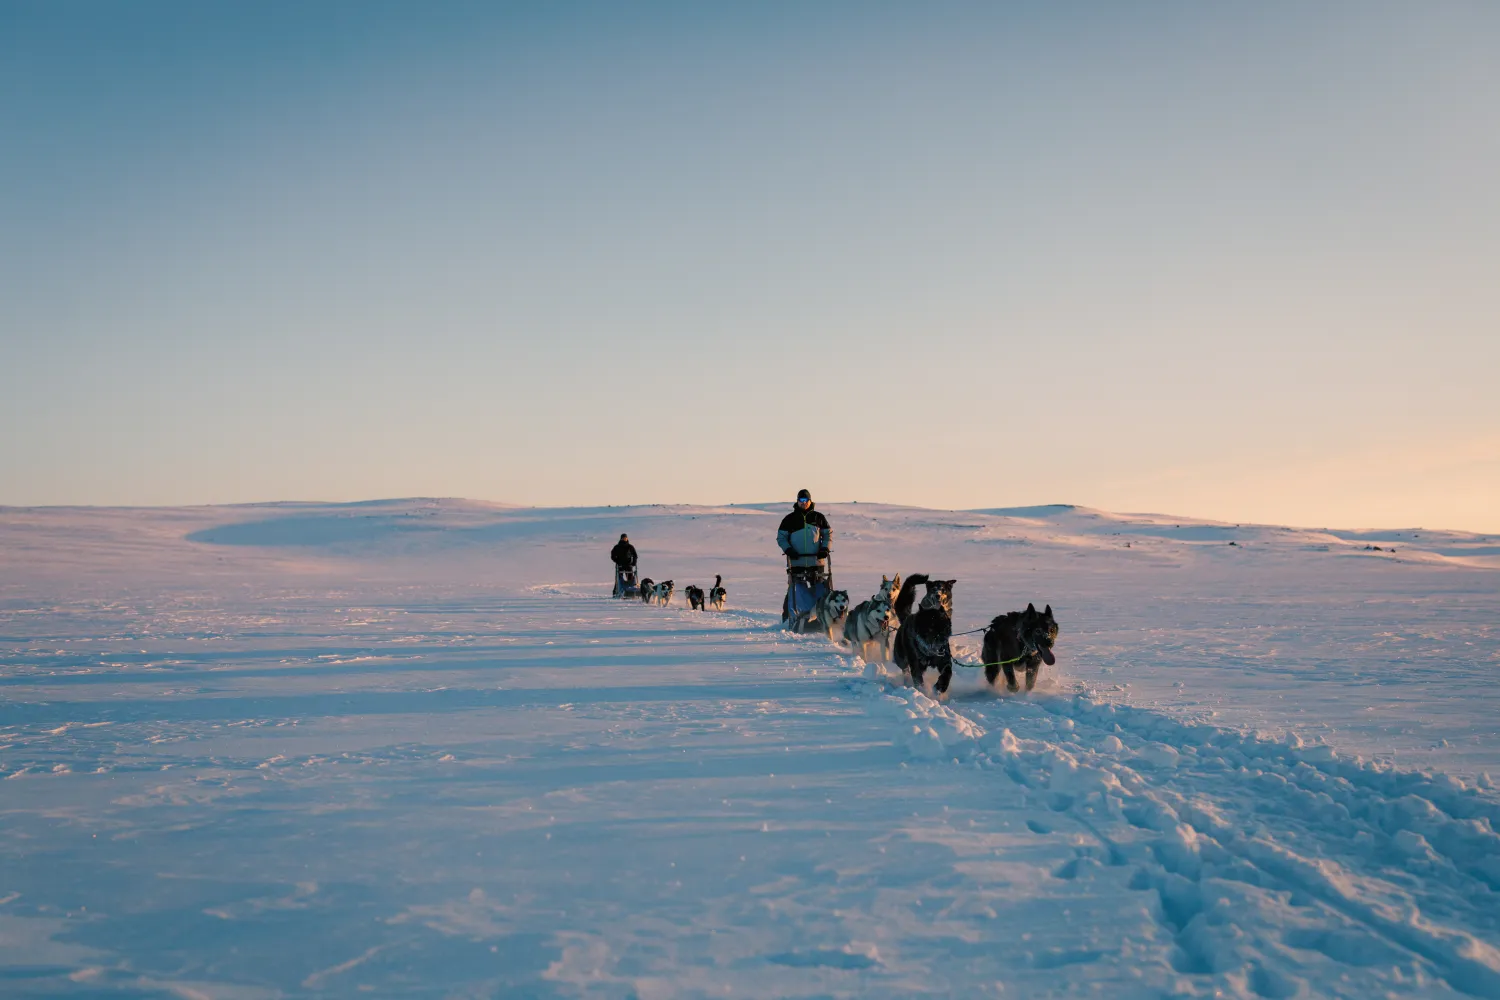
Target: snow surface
[{"x": 413, "y": 748}]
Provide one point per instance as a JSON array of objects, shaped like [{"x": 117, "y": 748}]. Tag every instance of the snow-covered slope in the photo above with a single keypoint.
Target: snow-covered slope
[{"x": 411, "y": 747}]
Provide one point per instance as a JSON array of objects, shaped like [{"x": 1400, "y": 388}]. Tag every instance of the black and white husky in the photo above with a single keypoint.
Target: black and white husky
[
  {"x": 870, "y": 623},
  {"x": 1019, "y": 639},
  {"x": 695, "y": 596},
  {"x": 827, "y": 612},
  {"x": 662, "y": 593},
  {"x": 922, "y": 640},
  {"x": 717, "y": 595},
  {"x": 648, "y": 590}
]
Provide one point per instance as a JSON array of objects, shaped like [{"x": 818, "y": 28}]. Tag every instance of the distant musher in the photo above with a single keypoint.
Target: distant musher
[
  {"x": 804, "y": 538},
  {"x": 624, "y": 558}
]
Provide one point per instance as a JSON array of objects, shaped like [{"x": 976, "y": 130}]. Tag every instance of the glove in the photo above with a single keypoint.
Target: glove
[{"x": 822, "y": 553}]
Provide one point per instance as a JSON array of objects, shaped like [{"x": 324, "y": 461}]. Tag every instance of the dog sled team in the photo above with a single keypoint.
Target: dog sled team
[
  {"x": 884, "y": 628},
  {"x": 627, "y": 585}
]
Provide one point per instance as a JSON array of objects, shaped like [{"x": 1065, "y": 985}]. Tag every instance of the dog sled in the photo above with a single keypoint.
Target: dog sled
[
  {"x": 805, "y": 586},
  {"x": 627, "y": 585}
]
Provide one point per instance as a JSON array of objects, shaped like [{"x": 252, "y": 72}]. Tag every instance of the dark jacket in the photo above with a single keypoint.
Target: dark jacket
[
  {"x": 804, "y": 535},
  {"x": 623, "y": 554}
]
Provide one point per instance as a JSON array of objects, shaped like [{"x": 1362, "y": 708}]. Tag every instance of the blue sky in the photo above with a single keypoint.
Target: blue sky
[{"x": 1233, "y": 261}]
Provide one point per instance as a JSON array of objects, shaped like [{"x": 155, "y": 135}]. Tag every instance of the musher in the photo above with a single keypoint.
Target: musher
[
  {"x": 804, "y": 538},
  {"x": 624, "y": 558}
]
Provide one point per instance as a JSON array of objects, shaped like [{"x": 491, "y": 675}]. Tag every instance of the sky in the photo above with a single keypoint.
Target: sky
[{"x": 1237, "y": 261}]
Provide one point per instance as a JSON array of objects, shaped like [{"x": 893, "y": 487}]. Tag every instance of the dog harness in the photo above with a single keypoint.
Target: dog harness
[{"x": 1002, "y": 663}]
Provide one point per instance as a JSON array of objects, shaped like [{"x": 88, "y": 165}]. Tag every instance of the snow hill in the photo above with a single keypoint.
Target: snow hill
[{"x": 412, "y": 748}]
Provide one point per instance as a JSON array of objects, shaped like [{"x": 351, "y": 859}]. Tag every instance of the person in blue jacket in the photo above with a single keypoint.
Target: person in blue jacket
[{"x": 804, "y": 538}]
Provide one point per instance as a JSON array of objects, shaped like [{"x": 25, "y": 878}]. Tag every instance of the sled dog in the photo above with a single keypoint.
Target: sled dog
[
  {"x": 647, "y": 590},
  {"x": 717, "y": 594},
  {"x": 695, "y": 596},
  {"x": 922, "y": 640},
  {"x": 1019, "y": 639},
  {"x": 827, "y": 612},
  {"x": 662, "y": 593},
  {"x": 870, "y": 623}
]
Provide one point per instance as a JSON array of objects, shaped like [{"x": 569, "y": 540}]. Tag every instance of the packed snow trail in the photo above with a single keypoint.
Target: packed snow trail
[
  {"x": 545, "y": 795},
  {"x": 1268, "y": 858},
  {"x": 564, "y": 795}
]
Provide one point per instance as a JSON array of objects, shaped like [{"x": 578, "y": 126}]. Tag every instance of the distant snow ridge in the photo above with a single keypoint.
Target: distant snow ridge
[{"x": 1259, "y": 851}]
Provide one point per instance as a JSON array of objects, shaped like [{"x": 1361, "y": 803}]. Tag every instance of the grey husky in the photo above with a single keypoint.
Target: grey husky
[
  {"x": 870, "y": 623},
  {"x": 827, "y": 612}
]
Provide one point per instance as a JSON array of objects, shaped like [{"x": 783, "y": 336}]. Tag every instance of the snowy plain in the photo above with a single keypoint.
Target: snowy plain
[{"x": 412, "y": 748}]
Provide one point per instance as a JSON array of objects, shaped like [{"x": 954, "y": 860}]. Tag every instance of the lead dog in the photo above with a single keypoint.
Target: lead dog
[
  {"x": 1020, "y": 638},
  {"x": 717, "y": 594},
  {"x": 870, "y": 623},
  {"x": 695, "y": 596},
  {"x": 922, "y": 640}
]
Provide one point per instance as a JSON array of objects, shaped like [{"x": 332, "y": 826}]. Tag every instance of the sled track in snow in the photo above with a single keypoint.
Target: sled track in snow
[
  {"x": 1257, "y": 851},
  {"x": 1255, "y": 846},
  {"x": 556, "y": 794}
]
